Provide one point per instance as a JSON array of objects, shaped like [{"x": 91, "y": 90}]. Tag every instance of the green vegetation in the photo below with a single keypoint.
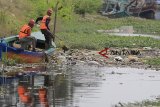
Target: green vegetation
[
  {"x": 146, "y": 103},
  {"x": 82, "y": 33},
  {"x": 153, "y": 61},
  {"x": 92, "y": 23},
  {"x": 99, "y": 41},
  {"x": 14, "y": 13},
  {"x": 8, "y": 62},
  {"x": 86, "y": 6},
  {"x": 75, "y": 30},
  {"x": 153, "y": 103}
]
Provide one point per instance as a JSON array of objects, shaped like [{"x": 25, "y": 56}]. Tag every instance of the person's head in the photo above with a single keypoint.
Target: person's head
[
  {"x": 49, "y": 12},
  {"x": 31, "y": 23}
]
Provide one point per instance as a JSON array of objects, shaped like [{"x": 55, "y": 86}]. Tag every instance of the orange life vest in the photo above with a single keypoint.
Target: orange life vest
[
  {"x": 25, "y": 31},
  {"x": 21, "y": 90},
  {"x": 43, "y": 22},
  {"x": 25, "y": 98},
  {"x": 42, "y": 95}
]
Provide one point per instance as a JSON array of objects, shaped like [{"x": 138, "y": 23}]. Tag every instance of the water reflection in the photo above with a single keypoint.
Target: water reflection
[
  {"x": 35, "y": 87},
  {"x": 79, "y": 86},
  {"x": 31, "y": 94}
]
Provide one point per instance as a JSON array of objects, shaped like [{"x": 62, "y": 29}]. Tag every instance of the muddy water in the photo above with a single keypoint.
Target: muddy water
[
  {"x": 81, "y": 86},
  {"x": 104, "y": 87}
]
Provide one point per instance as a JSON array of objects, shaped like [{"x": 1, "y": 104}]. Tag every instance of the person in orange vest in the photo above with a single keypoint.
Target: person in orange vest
[
  {"x": 24, "y": 35},
  {"x": 44, "y": 27},
  {"x": 43, "y": 97},
  {"x": 24, "y": 96}
]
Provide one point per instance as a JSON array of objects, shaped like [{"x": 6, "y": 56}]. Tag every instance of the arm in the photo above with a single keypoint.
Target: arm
[
  {"x": 29, "y": 32},
  {"x": 38, "y": 19}
]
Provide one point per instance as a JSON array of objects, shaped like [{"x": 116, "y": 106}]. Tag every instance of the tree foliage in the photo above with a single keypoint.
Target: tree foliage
[
  {"x": 86, "y": 6},
  {"x": 14, "y": 13}
]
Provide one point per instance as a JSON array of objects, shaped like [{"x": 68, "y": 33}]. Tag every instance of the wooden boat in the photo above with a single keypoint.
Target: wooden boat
[
  {"x": 117, "y": 9},
  {"x": 14, "y": 75},
  {"x": 7, "y": 50}
]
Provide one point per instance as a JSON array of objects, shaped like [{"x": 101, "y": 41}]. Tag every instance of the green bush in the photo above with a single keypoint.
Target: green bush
[
  {"x": 86, "y": 6},
  {"x": 153, "y": 61},
  {"x": 3, "y": 17}
]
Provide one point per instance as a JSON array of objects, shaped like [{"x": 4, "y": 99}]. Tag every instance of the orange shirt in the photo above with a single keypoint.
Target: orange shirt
[
  {"x": 25, "y": 31},
  {"x": 43, "y": 22}
]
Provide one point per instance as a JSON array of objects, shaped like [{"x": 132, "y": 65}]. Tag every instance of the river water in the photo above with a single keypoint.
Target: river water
[{"x": 81, "y": 86}]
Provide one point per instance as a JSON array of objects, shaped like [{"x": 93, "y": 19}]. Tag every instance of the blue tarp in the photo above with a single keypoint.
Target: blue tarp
[{"x": 5, "y": 48}]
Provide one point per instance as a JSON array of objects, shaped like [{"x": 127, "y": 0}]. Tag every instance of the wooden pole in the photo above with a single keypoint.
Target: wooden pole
[{"x": 55, "y": 19}]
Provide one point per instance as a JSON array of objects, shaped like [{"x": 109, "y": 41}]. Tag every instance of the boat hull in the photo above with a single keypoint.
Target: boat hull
[
  {"x": 24, "y": 57},
  {"x": 21, "y": 55}
]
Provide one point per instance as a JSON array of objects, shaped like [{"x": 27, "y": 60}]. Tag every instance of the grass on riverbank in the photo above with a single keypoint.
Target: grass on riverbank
[
  {"x": 13, "y": 14},
  {"x": 153, "y": 61},
  {"x": 91, "y": 23},
  {"x": 100, "y": 41},
  {"x": 82, "y": 32},
  {"x": 146, "y": 103}
]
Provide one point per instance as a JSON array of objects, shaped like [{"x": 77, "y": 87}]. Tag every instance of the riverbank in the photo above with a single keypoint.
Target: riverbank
[
  {"x": 119, "y": 57},
  {"x": 145, "y": 57}
]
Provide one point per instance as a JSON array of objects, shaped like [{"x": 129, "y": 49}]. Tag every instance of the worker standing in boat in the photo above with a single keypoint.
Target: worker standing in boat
[
  {"x": 44, "y": 26},
  {"x": 24, "y": 35}
]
